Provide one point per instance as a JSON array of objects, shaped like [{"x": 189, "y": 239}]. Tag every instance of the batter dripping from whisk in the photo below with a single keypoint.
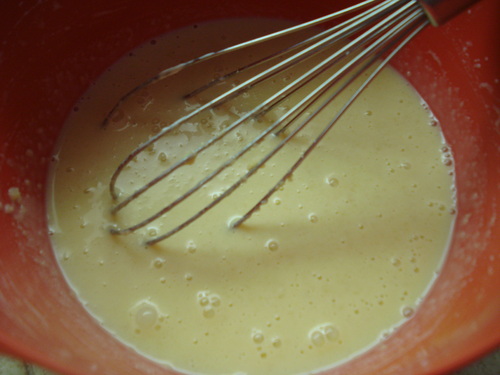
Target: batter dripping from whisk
[{"x": 334, "y": 261}]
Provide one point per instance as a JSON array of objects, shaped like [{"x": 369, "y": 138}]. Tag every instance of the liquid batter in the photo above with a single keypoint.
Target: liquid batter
[{"x": 338, "y": 257}]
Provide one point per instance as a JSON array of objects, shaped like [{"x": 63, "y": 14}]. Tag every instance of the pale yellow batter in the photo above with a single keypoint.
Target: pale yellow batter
[{"x": 334, "y": 261}]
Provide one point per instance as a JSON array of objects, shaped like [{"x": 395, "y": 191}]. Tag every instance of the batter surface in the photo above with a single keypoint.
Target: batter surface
[{"x": 337, "y": 258}]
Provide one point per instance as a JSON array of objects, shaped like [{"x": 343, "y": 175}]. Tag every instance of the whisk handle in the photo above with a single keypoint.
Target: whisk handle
[{"x": 440, "y": 11}]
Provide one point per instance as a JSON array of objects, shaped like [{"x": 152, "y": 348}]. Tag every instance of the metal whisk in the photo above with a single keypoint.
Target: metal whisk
[{"x": 370, "y": 38}]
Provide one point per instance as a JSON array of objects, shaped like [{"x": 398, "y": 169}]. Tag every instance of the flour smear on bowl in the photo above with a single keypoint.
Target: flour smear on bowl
[{"x": 338, "y": 258}]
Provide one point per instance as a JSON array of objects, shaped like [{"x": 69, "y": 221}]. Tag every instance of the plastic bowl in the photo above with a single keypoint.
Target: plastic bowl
[{"x": 51, "y": 51}]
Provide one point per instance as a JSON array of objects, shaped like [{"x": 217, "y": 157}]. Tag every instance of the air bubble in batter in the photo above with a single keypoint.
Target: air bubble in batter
[
  {"x": 146, "y": 315},
  {"x": 272, "y": 245}
]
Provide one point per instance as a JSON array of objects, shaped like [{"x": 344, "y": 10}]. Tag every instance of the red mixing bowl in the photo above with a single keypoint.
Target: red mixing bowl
[{"x": 50, "y": 52}]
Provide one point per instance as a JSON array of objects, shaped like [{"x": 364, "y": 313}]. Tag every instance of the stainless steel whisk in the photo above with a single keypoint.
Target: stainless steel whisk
[{"x": 377, "y": 31}]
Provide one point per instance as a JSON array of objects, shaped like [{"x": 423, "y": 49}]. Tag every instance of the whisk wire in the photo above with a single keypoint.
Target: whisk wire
[{"x": 378, "y": 33}]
